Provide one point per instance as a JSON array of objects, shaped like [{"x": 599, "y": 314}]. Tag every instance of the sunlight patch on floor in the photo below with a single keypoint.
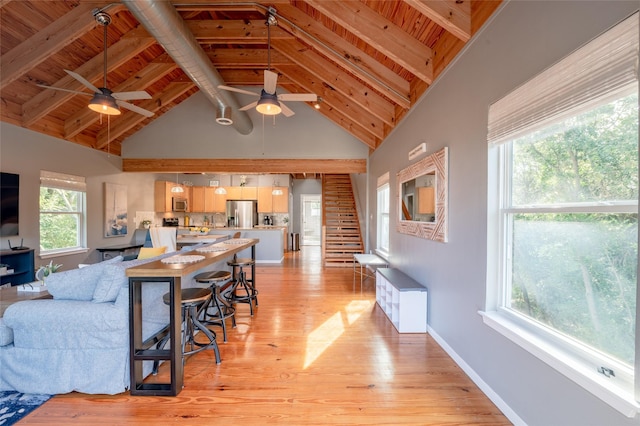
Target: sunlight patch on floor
[{"x": 322, "y": 337}]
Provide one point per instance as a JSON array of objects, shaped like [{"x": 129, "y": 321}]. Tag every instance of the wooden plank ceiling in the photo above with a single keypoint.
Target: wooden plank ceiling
[{"x": 368, "y": 61}]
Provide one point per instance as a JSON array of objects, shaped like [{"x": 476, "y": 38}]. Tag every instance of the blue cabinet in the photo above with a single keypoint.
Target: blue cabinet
[{"x": 20, "y": 267}]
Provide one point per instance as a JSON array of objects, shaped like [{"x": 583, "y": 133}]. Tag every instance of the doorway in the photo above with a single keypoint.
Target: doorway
[{"x": 311, "y": 218}]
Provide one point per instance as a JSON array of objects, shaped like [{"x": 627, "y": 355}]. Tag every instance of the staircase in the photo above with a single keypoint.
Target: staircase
[{"x": 341, "y": 228}]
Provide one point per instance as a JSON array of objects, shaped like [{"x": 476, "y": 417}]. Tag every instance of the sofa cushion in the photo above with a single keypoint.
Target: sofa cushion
[{"x": 77, "y": 284}]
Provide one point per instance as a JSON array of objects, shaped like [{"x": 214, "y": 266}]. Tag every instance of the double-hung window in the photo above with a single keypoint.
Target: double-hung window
[
  {"x": 383, "y": 215},
  {"x": 563, "y": 216},
  {"x": 62, "y": 213}
]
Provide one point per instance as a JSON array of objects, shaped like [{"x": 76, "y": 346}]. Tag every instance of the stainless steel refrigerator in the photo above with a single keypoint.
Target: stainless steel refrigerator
[{"x": 242, "y": 213}]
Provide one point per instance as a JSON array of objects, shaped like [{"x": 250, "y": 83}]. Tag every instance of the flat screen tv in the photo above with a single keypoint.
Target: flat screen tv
[{"x": 9, "y": 203}]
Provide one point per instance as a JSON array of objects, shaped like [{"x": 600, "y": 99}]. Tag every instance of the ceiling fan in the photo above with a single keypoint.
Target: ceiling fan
[
  {"x": 104, "y": 100},
  {"x": 269, "y": 102}
]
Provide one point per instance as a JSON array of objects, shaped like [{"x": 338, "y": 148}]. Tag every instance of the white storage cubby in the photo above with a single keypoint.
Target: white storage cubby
[{"x": 402, "y": 299}]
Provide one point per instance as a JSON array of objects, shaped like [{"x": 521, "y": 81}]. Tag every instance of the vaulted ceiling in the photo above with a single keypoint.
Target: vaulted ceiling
[{"x": 368, "y": 61}]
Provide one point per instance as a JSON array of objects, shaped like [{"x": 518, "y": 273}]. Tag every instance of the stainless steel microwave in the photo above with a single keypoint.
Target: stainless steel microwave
[{"x": 179, "y": 204}]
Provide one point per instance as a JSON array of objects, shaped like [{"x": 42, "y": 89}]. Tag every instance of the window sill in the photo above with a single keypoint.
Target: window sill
[
  {"x": 51, "y": 254},
  {"x": 570, "y": 366}
]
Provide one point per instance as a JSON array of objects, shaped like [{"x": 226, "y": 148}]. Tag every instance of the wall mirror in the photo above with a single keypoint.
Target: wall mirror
[{"x": 422, "y": 197}]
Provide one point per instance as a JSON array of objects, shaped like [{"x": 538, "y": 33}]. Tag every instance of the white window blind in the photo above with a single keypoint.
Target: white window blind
[
  {"x": 62, "y": 181},
  {"x": 598, "y": 72}
]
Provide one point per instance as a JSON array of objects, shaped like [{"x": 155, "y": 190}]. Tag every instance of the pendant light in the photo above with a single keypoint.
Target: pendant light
[
  {"x": 276, "y": 191},
  {"x": 177, "y": 188}
]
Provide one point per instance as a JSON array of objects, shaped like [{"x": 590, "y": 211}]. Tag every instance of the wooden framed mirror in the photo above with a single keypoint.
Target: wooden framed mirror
[{"x": 422, "y": 197}]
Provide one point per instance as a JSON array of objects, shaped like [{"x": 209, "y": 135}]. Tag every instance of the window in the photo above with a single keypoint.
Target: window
[
  {"x": 563, "y": 258},
  {"x": 62, "y": 213},
  {"x": 383, "y": 214}
]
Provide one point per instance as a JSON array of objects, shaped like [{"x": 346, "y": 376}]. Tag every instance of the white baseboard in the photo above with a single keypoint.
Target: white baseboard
[{"x": 484, "y": 387}]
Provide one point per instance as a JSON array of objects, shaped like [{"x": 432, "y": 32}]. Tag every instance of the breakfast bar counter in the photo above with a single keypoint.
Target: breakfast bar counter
[{"x": 170, "y": 270}]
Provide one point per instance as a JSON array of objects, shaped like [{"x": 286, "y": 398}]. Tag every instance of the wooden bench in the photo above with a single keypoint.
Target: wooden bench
[{"x": 366, "y": 262}]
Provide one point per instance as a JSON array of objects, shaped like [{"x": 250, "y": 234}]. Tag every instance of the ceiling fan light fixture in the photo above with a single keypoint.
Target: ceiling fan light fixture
[
  {"x": 268, "y": 104},
  {"x": 104, "y": 104}
]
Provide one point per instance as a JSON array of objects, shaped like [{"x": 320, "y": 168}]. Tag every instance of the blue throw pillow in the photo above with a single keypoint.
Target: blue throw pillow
[{"x": 113, "y": 277}]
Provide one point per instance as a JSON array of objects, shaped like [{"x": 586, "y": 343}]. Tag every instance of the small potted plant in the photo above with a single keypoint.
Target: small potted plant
[
  {"x": 146, "y": 224},
  {"x": 46, "y": 270}
]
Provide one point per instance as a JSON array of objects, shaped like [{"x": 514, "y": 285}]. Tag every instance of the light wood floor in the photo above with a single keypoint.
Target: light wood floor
[{"x": 317, "y": 351}]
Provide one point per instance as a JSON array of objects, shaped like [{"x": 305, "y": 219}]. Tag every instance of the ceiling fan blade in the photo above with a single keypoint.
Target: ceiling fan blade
[
  {"x": 233, "y": 89},
  {"x": 270, "y": 81},
  {"x": 83, "y": 80},
  {"x": 132, "y": 107},
  {"x": 64, "y": 90},
  {"x": 305, "y": 97},
  {"x": 286, "y": 111},
  {"x": 248, "y": 107},
  {"x": 130, "y": 96}
]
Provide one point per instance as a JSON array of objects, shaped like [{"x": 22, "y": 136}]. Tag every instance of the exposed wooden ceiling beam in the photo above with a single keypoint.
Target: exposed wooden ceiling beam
[
  {"x": 239, "y": 58},
  {"x": 452, "y": 15},
  {"x": 337, "y": 79},
  {"x": 245, "y": 32},
  {"x": 127, "y": 121},
  {"x": 237, "y": 165},
  {"x": 147, "y": 76},
  {"x": 381, "y": 34},
  {"x": 346, "y": 55},
  {"x": 48, "y": 41},
  {"x": 235, "y": 77},
  {"x": 336, "y": 100},
  {"x": 120, "y": 52}
]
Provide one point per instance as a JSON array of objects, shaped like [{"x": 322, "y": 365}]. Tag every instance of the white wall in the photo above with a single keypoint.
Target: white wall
[
  {"x": 523, "y": 39},
  {"x": 189, "y": 131}
]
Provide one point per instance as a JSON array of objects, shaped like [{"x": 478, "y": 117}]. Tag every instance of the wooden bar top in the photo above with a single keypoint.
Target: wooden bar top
[{"x": 160, "y": 269}]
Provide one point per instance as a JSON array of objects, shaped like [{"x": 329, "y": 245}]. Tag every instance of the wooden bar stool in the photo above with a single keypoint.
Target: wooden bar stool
[
  {"x": 243, "y": 290},
  {"x": 193, "y": 300},
  {"x": 218, "y": 309}
]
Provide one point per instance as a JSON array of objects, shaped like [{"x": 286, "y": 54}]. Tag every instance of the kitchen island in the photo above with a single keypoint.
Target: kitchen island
[{"x": 270, "y": 250}]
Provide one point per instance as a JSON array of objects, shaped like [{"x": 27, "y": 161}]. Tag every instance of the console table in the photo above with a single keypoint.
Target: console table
[
  {"x": 402, "y": 299},
  {"x": 21, "y": 263},
  {"x": 159, "y": 272},
  {"x": 365, "y": 261}
]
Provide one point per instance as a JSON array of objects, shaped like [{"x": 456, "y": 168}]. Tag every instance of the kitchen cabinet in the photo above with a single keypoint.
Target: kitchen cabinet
[
  {"x": 242, "y": 192},
  {"x": 265, "y": 200},
  {"x": 214, "y": 203},
  {"x": 281, "y": 202},
  {"x": 198, "y": 200},
  {"x": 269, "y": 203},
  {"x": 163, "y": 196}
]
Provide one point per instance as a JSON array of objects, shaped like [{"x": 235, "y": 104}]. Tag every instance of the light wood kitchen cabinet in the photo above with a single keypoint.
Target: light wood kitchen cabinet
[
  {"x": 269, "y": 203},
  {"x": 242, "y": 192},
  {"x": 265, "y": 200},
  {"x": 214, "y": 203},
  {"x": 426, "y": 200},
  {"x": 198, "y": 200},
  {"x": 163, "y": 196},
  {"x": 281, "y": 202}
]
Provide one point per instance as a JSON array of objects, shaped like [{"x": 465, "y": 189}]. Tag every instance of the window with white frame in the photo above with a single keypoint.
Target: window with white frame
[
  {"x": 383, "y": 214},
  {"x": 563, "y": 222},
  {"x": 62, "y": 213}
]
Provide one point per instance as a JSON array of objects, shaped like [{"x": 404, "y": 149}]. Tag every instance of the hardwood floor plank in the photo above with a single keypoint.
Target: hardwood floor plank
[{"x": 317, "y": 351}]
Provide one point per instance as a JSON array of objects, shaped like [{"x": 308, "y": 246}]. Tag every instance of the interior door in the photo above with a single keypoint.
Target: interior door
[{"x": 311, "y": 220}]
